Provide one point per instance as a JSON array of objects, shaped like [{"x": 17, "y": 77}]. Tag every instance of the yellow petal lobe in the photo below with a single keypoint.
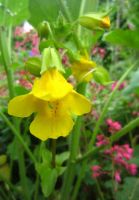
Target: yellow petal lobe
[
  {"x": 22, "y": 106},
  {"x": 77, "y": 103},
  {"x": 51, "y": 86}
]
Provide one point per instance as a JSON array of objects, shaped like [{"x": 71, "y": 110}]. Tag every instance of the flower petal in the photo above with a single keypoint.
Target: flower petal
[
  {"x": 51, "y": 86},
  {"x": 22, "y": 106},
  {"x": 77, "y": 103},
  {"x": 50, "y": 124}
]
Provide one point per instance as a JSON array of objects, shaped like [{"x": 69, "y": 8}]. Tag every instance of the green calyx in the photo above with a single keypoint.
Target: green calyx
[{"x": 51, "y": 59}]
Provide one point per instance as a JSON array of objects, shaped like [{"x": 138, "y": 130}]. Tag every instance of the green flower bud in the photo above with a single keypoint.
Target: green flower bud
[
  {"x": 33, "y": 65},
  {"x": 43, "y": 30},
  {"x": 101, "y": 75},
  {"x": 95, "y": 21},
  {"x": 51, "y": 59}
]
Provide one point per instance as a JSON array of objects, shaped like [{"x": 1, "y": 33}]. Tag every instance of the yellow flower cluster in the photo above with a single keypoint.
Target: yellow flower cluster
[{"x": 54, "y": 101}]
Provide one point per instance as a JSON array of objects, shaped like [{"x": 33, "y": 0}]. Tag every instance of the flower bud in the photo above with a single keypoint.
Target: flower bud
[
  {"x": 51, "y": 59},
  {"x": 95, "y": 21},
  {"x": 101, "y": 75},
  {"x": 33, "y": 65},
  {"x": 43, "y": 30}
]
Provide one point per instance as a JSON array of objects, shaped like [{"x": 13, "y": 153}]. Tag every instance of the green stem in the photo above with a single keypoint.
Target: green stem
[
  {"x": 16, "y": 133},
  {"x": 65, "y": 10},
  {"x": 78, "y": 182},
  {"x": 36, "y": 190},
  {"x": 22, "y": 172},
  {"x": 53, "y": 152},
  {"x": 74, "y": 148},
  {"x": 6, "y": 61},
  {"x": 101, "y": 118},
  {"x": 99, "y": 190},
  {"x": 83, "y": 2}
]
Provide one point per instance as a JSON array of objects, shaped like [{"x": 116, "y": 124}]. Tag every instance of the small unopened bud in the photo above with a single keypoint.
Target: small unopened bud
[
  {"x": 43, "y": 30},
  {"x": 95, "y": 21},
  {"x": 33, "y": 65}
]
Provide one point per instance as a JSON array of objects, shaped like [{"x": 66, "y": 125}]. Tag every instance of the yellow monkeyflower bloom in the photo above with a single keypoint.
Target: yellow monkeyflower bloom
[
  {"x": 53, "y": 111},
  {"x": 82, "y": 69}
]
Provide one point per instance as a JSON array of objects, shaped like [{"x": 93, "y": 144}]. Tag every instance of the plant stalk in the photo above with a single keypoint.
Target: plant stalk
[{"x": 74, "y": 149}]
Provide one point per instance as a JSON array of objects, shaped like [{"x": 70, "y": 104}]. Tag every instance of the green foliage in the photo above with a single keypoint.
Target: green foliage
[
  {"x": 50, "y": 10},
  {"x": 126, "y": 38},
  {"x": 133, "y": 86},
  {"x": 129, "y": 190},
  {"x": 13, "y": 12}
]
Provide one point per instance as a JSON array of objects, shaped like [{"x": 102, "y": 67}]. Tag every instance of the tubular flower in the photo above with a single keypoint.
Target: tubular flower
[
  {"x": 82, "y": 69},
  {"x": 54, "y": 101}
]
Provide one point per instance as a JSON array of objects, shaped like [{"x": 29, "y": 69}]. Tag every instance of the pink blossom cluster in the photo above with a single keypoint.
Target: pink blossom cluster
[
  {"x": 96, "y": 171},
  {"x": 24, "y": 41},
  {"x": 99, "y": 50},
  {"x": 119, "y": 156},
  {"x": 22, "y": 79},
  {"x": 122, "y": 85},
  {"x": 113, "y": 126}
]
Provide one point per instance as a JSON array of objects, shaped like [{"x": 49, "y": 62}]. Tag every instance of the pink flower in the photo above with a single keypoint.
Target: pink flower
[
  {"x": 117, "y": 176},
  {"x": 96, "y": 171},
  {"x": 100, "y": 51},
  {"x": 101, "y": 140},
  {"x": 132, "y": 169},
  {"x": 120, "y": 87},
  {"x": 114, "y": 126},
  {"x": 18, "y": 31},
  {"x": 109, "y": 122}
]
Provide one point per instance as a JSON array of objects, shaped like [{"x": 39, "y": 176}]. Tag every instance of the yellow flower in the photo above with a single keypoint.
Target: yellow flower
[
  {"x": 82, "y": 69},
  {"x": 54, "y": 101}
]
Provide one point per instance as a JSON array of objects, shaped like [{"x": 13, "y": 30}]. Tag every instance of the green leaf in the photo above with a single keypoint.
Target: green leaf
[
  {"x": 130, "y": 190},
  {"x": 13, "y": 12},
  {"x": 60, "y": 158},
  {"x": 20, "y": 90},
  {"x": 101, "y": 76},
  {"x": 48, "y": 178},
  {"x": 43, "y": 10},
  {"x": 133, "y": 86},
  {"x": 50, "y": 10},
  {"x": 74, "y": 7},
  {"x": 127, "y": 38}
]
